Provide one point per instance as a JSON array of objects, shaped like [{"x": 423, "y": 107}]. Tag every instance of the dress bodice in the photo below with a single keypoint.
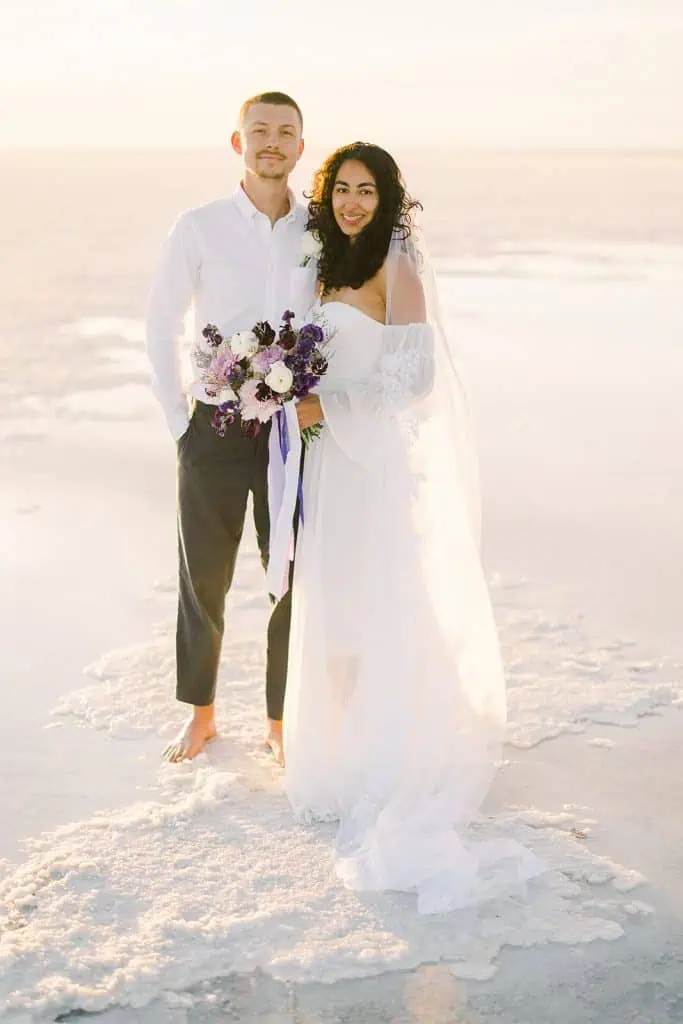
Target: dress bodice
[{"x": 354, "y": 342}]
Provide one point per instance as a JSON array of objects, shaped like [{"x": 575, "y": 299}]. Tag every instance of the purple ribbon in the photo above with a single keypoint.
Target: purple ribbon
[{"x": 283, "y": 438}]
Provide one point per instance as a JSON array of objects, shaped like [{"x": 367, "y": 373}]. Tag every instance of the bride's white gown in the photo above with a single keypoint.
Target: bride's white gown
[{"x": 395, "y": 701}]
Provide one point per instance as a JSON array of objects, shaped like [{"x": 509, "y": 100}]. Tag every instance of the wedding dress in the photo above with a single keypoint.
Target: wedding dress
[{"x": 395, "y": 699}]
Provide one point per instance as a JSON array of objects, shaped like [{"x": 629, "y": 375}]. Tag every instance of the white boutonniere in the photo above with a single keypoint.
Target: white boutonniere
[{"x": 311, "y": 247}]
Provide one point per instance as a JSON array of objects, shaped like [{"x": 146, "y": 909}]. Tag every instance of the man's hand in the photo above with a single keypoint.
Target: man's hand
[{"x": 309, "y": 411}]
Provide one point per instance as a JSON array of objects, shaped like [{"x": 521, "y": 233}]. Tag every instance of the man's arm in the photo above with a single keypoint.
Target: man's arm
[{"x": 170, "y": 297}]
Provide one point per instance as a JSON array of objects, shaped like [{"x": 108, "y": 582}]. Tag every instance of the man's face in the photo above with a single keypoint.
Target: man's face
[{"x": 269, "y": 140}]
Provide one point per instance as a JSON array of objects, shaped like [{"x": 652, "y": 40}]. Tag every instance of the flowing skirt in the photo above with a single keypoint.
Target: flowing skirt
[{"x": 395, "y": 702}]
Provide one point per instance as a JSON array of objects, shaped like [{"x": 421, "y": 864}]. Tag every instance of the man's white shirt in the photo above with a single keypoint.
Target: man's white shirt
[{"x": 233, "y": 268}]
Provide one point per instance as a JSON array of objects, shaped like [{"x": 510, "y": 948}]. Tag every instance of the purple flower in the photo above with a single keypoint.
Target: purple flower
[
  {"x": 236, "y": 377},
  {"x": 222, "y": 418},
  {"x": 212, "y": 335},
  {"x": 307, "y": 351},
  {"x": 312, "y": 331}
]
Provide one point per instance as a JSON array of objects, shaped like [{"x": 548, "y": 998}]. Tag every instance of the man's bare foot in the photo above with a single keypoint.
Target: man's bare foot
[
  {"x": 274, "y": 741},
  {"x": 199, "y": 730}
]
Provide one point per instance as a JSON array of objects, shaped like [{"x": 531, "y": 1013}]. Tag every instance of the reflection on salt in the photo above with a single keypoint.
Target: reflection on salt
[
  {"x": 572, "y": 261},
  {"x": 126, "y": 328},
  {"x": 128, "y": 359},
  {"x": 113, "y": 403}
]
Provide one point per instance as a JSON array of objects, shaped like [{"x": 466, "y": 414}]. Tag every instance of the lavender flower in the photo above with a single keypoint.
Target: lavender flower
[{"x": 265, "y": 357}]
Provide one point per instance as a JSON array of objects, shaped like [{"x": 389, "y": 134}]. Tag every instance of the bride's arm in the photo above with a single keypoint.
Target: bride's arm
[
  {"x": 405, "y": 369},
  {"x": 309, "y": 411},
  {"x": 404, "y": 295}
]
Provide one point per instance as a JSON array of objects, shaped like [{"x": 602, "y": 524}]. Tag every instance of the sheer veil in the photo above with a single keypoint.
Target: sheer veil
[{"x": 412, "y": 296}]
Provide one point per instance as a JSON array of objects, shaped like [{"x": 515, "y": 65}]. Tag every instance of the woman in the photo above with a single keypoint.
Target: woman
[{"x": 395, "y": 703}]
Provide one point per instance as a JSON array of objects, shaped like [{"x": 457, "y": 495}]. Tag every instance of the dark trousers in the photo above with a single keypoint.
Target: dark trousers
[{"x": 215, "y": 477}]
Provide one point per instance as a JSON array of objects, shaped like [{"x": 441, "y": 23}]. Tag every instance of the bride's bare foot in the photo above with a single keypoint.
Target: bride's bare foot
[
  {"x": 199, "y": 730},
  {"x": 274, "y": 741}
]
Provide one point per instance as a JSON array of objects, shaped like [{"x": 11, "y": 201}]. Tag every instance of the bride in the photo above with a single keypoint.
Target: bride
[{"x": 395, "y": 703}]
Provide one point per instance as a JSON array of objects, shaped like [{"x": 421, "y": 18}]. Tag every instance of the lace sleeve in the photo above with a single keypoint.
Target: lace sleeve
[{"x": 404, "y": 372}]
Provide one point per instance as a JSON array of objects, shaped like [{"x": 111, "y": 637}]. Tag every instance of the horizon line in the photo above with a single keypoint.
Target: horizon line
[{"x": 635, "y": 150}]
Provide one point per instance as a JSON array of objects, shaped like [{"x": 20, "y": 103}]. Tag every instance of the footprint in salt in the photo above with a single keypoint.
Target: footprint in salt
[{"x": 470, "y": 970}]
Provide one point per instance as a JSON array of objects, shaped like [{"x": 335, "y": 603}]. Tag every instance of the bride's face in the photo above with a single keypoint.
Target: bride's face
[{"x": 354, "y": 197}]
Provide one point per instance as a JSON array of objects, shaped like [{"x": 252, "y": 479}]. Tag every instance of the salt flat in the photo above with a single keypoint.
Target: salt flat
[{"x": 148, "y": 892}]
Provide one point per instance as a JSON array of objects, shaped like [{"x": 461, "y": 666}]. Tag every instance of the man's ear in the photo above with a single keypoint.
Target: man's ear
[
  {"x": 302, "y": 146},
  {"x": 236, "y": 142}
]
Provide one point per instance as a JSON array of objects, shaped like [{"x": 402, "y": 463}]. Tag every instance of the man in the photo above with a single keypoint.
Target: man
[{"x": 233, "y": 260}]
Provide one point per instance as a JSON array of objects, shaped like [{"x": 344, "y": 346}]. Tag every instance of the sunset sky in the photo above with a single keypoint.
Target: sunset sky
[{"x": 587, "y": 73}]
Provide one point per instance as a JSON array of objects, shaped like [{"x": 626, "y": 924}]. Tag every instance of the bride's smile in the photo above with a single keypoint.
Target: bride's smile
[{"x": 355, "y": 198}]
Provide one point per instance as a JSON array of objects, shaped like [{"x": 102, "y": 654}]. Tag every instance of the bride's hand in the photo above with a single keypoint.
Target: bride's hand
[{"x": 309, "y": 411}]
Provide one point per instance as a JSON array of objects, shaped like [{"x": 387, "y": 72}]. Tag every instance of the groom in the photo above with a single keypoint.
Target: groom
[{"x": 233, "y": 261}]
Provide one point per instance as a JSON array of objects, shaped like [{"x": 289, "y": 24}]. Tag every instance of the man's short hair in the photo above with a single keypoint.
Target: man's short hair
[{"x": 278, "y": 99}]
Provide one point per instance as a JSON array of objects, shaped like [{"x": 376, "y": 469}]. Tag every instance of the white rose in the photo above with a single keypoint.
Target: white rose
[
  {"x": 310, "y": 245},
  {"x": 280, "y": 377},
  {"x": 243, "y": 343},
  {"x": 226, "y": 394}
]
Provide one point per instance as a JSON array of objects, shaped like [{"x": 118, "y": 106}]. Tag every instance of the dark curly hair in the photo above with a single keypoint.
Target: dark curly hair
[{"x": 342, "y": 264}]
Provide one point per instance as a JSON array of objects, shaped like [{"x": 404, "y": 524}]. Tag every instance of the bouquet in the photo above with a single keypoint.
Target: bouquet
[{"x": 254, "y": 373}]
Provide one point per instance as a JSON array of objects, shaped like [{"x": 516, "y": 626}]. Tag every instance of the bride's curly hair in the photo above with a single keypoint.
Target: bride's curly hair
[{"x": 340, "y": 264}]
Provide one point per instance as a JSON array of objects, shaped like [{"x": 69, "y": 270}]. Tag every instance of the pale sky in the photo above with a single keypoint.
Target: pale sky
[{"x": 446, "y": 73}]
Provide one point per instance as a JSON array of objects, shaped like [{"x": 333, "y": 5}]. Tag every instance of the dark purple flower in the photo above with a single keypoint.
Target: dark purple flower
[
  {"x": 212, "y": 335},
  {"x": 287, "y": 339},
  {"x": 265, "y": 333},
  {"x": 223, "y": 417},
  {"x": 250, "y": 428},
  {"x": 228, "y": 408},
  {"x": 264, "y": 393},
  {"x": 287, "y": 316}
]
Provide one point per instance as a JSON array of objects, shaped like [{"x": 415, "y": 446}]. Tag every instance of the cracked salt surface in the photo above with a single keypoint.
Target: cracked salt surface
[{"x": 213, "y": 878}]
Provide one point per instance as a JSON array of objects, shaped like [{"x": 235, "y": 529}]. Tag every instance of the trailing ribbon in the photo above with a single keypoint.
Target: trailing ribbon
[
  {"x": 283, "y": 436},
  {"x": 284, "y": 487}
]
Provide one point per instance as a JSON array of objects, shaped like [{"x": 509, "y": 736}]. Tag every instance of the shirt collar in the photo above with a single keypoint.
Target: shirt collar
[{"x": 249, "y": 211}]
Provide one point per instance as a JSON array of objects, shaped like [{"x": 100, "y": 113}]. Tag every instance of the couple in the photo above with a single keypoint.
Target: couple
[{"x": 385, "y": 638}]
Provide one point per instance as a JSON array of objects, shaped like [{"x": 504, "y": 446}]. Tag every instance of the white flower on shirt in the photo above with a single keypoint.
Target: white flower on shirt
[
  {"x": 243, "y": 344},
  {"x": 279, "y": 378},
  {"x": 311, "y": 247}
]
